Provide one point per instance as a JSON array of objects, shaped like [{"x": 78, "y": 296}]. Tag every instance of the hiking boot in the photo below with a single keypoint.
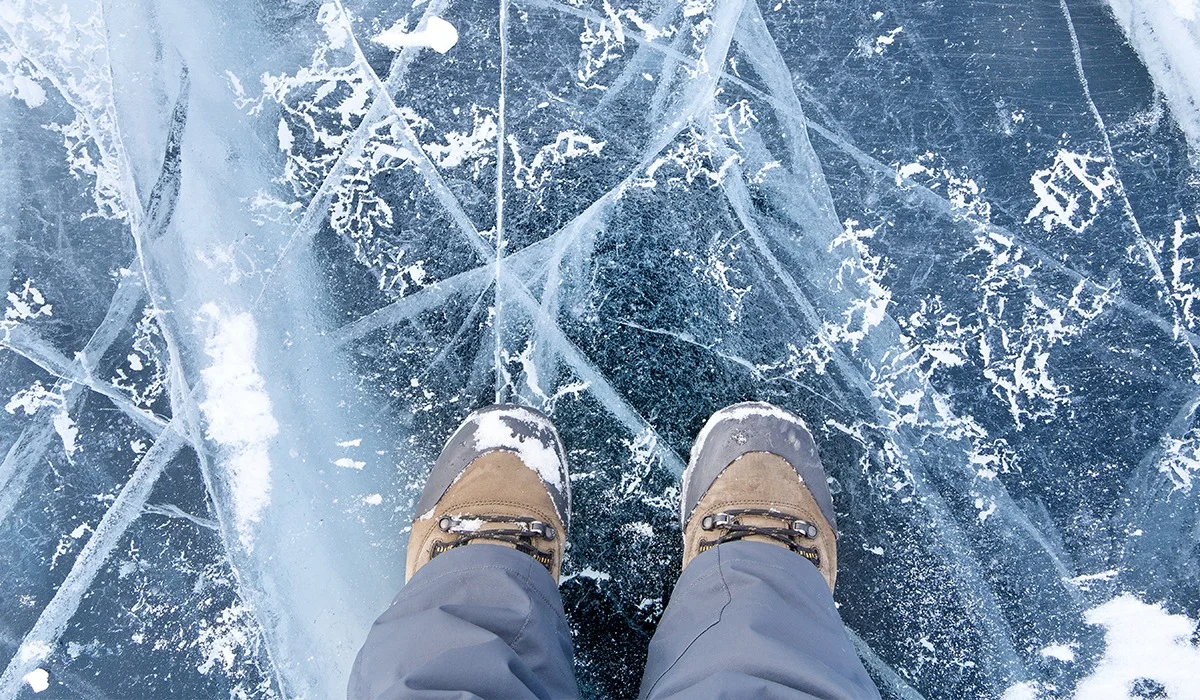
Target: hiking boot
[
  {"x": 755, "y": 475},
  {"x": 501, "y": 479}
]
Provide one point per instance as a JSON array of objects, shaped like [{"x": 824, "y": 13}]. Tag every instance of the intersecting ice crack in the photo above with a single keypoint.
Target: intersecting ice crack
[{"x": 557, "y": 339}]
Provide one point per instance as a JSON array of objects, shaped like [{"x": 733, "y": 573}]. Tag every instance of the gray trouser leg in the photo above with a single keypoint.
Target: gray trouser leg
[
  {"x": 753, "y": 620},
  {"x": 478, "y": 621}
]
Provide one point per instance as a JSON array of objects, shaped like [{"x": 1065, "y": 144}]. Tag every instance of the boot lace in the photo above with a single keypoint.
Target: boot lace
[
  {"x": 730, "y": 528},
  {"x": 520, "y": 533}
]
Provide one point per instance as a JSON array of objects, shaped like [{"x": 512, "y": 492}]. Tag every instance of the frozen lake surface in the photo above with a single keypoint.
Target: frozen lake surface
[{"x": 261, "y": 257}]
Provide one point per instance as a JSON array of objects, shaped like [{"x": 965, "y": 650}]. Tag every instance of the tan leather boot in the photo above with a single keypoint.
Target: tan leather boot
[
  {"x": 755, "y": 475},
  {"x": 501, "y": 479}
]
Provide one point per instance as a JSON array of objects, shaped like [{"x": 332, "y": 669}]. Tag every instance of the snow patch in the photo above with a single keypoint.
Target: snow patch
[
  {"x": 18, "y": 78},
  {"x": 28, "y": 91},
  {"x": 493, "y": 432},
  {"x": 1084, "y": 581},
  {"x": 885, "y": 40},
  {"x": 588, "y": 573},
  {"x": 467, "y": 525},
  {"x": 286, "y": 139},
  {"x": 438, "y": 34},
  {"x": 986, "y": 509},
  {"x": 33, "y": 399},
  {"x": 1062, "y": 652},
  {"x": 237, "y": 410},
  {"x": 639, "y": 528},
  {"x": 758, "y": 410},
  {"x": 226, "y": 641},
  {"x": 334, "y": 22},
  {"x": 347, "y": 463},
  {"x": 34, "y": 650},
  {"x": 38, "y": 679},
  {"x": 36, "y": 397},
  {"x": 961, "y": 190},
  {"x": 1025, "y": 690},
  {"x": 739, "y": 412},
  {"x": 67, "y": 432},
  {"x": 1143, "y": 641},
  {"x": 1184, "y": 9}
]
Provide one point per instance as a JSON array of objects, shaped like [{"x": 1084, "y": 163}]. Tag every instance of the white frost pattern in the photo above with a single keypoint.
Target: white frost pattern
[
  {"x": 28, "y": 303},
  {"x": 143, "y": 374},
  {"x": 1182, "y": 282},
  {"x": 719, "y": 267},
  {"x": 567, "y": 145},
  {"x": 1181, "y": 459},
  {"x": 454, "y": 149},
  {"x": 859, "y": 270},
  {"x": 603, "y": 41},
  {"x": 704, "y": 154},
  {"x": 19, "y": 79},
  {"x": 68, "y": 44},
  {"x": 1069, "y": 194}
]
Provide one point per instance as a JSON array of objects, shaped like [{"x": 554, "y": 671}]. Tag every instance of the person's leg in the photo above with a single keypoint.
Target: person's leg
[
  {"x": 483, "y": 621},
  {"x": 753, "y": 613},
  {"x": 480, "y": 614},
  {"x": 753, "y": 620}
]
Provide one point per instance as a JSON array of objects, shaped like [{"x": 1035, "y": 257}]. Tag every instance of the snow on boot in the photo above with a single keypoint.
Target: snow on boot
[
  {"x": 501, "y": 479},
  {"x": 755, "y": 475}
]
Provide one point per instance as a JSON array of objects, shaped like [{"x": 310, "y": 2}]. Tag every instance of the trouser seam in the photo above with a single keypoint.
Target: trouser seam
[
  {"x": 528, "y": 616},
  {"x": 720, "y": 616}
]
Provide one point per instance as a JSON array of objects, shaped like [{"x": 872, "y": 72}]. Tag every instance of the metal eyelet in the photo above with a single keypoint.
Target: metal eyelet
[
  {"x": 445, "y": 523},
  {"x": 805, "y": 528},
  {"x": 716, "y": 520},
  {"x": 545, "y": 530}
]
